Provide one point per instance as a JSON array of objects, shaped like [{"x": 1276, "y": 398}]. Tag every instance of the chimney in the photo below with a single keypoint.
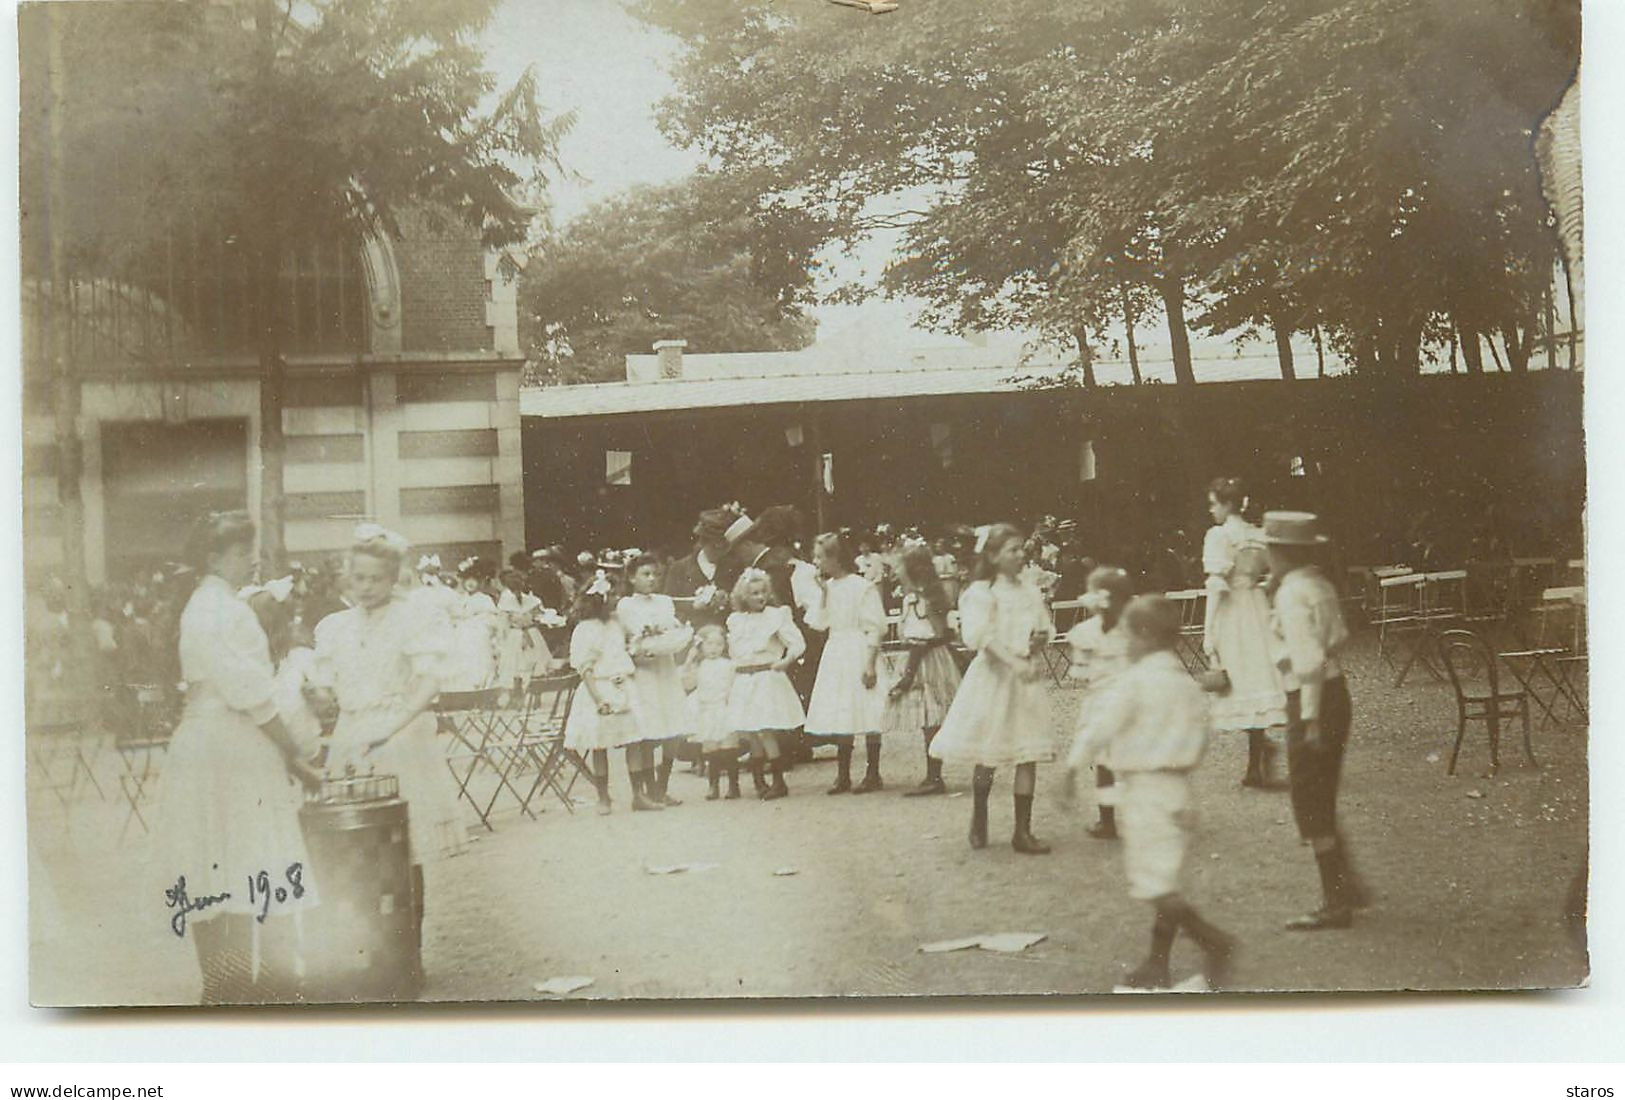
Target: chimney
[{"x": 669, "y": 353}]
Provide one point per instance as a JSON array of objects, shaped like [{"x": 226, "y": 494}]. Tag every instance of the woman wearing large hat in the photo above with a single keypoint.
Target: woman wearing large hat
[{"x": 1310, "y": 636}]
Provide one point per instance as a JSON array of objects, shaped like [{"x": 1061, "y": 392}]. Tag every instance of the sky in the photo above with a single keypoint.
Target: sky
[{"x": 591, "y": 57}]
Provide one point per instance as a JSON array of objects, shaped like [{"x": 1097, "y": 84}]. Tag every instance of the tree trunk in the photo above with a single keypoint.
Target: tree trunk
[
  {"x": 1320, "y": 355},
  {"x": 1472, "y": 351},
  {"x": 272, "y": 370},
  {"x": 1574, "y": 319},
  {"x": 1128, "y": 329},
  {"x": 79, "y": 687},
  {"x": 1518, "y": 346},
  {"x": 1283, "y": 347},
  {"x": 1455, "y": 368},
  {"x": 1551, "y": 329},
  {"x": 273, "y": 449},
  {"x": 1086, "y": 356},
  {"x": 1171, "y": 288}
]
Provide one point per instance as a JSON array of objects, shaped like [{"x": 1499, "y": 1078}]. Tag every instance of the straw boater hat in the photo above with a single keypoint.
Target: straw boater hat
[
  {"x": 737, "y": 529},
  {"x": 1293, "y": 529}
]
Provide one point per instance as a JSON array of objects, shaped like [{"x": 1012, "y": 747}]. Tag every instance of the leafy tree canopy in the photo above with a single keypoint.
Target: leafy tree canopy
[
  {"x": 696, "y": 260},
  {"x": 1364, "y": 166}
]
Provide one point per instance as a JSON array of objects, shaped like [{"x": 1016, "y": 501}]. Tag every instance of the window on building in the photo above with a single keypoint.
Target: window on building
[
  {"x": 617, "y": 467},
  {"x": 195, "y": 297}
]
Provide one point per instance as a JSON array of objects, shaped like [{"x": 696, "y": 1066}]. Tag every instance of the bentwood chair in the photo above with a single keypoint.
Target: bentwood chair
[{"x": 1465, "y": 654}]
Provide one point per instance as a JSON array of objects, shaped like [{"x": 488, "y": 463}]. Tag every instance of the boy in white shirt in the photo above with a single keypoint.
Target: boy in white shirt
[
  {"x": 1099, "y": 651},
  {"x": 1152, "y": 722}
]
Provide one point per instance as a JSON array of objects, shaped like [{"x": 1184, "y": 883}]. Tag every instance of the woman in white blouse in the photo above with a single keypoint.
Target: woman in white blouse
[
  {"x": 382, "y": 658},
  {"x": 1236, "y": 631},
  {"x": 235, "y": 868}
]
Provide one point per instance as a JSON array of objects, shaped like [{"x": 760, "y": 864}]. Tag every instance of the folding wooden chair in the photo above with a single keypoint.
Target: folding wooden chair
[
  {"x": 549, "y": 701},
  {"x": 56, "y": 762},
  {"x": 1058, "y": 655},
  {"x": 1559, "y": 655},
  {"x": 1192, "y": 623},
  {"x": 142, "y": 747},
  {"x": 465, "y": 719},
  {"x": 1464, "y": 654}
]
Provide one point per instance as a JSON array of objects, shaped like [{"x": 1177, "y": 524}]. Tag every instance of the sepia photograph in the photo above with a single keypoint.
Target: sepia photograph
[{"x": 692, "y": 500}]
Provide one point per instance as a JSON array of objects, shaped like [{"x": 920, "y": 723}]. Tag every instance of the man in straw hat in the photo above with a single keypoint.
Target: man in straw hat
[{"x": 1311, "y": 636}]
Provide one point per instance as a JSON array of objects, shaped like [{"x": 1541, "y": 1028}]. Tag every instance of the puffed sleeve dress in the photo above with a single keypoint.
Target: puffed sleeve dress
[
  {"x": 851, "y": 611},
  {"x": 369, "y": 657},
  {"x": 655, "y": 637},
  {"x": 763, "y": 700},
  {"x": 999, "y": 718},
  {"x": 598, "y": 653},
  {"x": 1238, "y": 628}
]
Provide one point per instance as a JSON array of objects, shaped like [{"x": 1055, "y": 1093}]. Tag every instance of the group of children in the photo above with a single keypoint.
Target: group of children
[
  {"x": 651, "y": 680},
  {"x": 1144, "y": 724}
]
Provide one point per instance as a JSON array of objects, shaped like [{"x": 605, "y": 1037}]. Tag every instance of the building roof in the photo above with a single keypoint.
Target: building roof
[
  {"x": 829, "y": 375},
  {"x": 851, "y": 371}
]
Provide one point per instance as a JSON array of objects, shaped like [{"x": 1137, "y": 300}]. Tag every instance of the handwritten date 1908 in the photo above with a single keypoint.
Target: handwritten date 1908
[{"x": 262, "y": 894}]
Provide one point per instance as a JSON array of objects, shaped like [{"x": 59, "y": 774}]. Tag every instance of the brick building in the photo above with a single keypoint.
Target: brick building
[{"x": 402, "y": 401}]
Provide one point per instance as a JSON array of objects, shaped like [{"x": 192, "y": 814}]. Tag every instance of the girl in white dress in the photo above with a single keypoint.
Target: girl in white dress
[
  {"x": 1236, "y": 632},
  {"x": 524, "y": 653},
  {"x": 474, "y": 632},
  {"x": 612, "y": 718},
  {"x": 382, "y": 659},
  {"x": 930, "y": 680},
  {"x": 228, "y": 835},
  {"x": 763, "y": 706},
  {"x": 656, "y": 638},
  {"x": 846, "y": 698},
  {"x": 709, "y": 676},
  {"x": 1001, "y": 716}
]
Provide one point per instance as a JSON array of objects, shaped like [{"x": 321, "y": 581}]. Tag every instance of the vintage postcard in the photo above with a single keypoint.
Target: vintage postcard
[{"x": 530, "y": 500}]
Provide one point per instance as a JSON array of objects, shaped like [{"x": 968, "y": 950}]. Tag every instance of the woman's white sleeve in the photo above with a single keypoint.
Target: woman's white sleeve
[{"x": 239, "y": 665}]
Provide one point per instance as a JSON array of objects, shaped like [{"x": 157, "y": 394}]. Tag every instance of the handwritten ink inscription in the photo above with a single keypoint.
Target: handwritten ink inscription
[{"x": 263, "y": 892}]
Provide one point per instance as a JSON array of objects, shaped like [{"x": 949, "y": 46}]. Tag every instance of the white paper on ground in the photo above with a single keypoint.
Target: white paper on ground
[
  {"x": 1007, "y": 943},
  {"x": 680, "y": 868}
]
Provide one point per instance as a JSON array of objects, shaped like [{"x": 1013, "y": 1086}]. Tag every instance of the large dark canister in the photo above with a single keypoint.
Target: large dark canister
[{"x": 361, "y": 940}]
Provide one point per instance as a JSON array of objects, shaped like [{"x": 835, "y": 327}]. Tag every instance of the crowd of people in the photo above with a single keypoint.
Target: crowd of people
[{"x": 737, "y": 656}]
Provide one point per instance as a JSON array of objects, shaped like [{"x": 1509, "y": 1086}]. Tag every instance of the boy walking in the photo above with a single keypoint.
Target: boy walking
[{"x": 1152, "y": 723}]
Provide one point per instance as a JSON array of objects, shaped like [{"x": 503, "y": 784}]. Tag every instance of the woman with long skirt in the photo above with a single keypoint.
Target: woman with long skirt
[
  {"x": 1236, "y": 631},
  {"x": 233, "y": 857}
]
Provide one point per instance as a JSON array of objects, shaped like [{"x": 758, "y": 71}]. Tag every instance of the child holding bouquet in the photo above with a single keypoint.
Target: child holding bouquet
[
  {"x": 656, "y": 638},
  {"x": 599, "y": 655}
]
